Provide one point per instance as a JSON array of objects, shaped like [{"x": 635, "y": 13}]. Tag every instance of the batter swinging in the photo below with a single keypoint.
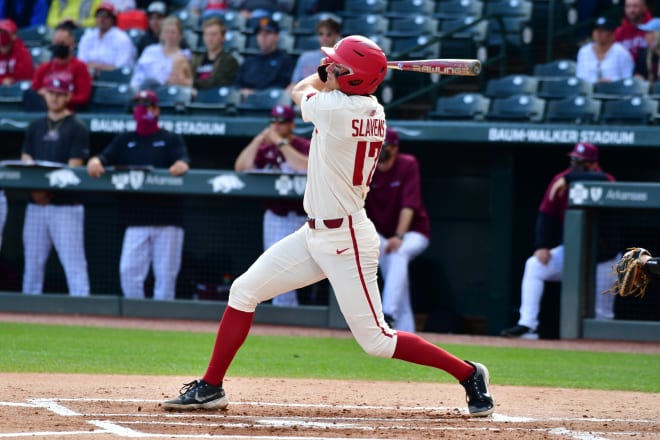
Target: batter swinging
[{"x": 338, "y": 241}]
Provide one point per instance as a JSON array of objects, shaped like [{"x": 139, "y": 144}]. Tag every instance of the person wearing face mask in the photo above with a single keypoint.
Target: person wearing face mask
[
  {"x": 395, "y": 206},
  {"x": 62, "y": 63},
  {"x": 154, "y": 223},
  {"x": 277, "y": 149},
  {"x": 546, "y": 264},
  {"x": 15, "y": 60}
]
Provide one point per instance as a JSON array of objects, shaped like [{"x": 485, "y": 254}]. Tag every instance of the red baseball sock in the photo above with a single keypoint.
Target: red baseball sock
[
  {"x": 412, "y": 348},
  {"x": 234, "y": 328}
]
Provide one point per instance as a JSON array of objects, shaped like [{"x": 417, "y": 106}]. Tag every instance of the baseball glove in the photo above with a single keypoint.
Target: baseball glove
[{"x": 632, "y": 279}]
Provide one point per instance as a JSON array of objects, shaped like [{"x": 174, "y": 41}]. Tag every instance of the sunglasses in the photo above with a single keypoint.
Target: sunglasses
[{"x": 279, "y": 120}]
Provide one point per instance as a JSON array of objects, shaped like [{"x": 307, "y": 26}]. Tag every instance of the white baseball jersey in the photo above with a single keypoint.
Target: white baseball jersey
[{"x": 343, "y": 152}]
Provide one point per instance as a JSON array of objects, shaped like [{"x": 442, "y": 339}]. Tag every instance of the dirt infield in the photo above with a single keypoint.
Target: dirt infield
[{"x": 71, "y": 406}]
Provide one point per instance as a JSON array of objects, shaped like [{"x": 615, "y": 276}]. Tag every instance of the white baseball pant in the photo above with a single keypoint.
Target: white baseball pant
[
  {"x": 3, "y": 214},
  {"x": 162, "y": 245},
  {"x": 346, "y": 255},
  {"x": 63, "y": 227},
  {"x": 275, "y": 228},
  {"x": 396, "y": 285},
  {"x": 535, "y": 274}
]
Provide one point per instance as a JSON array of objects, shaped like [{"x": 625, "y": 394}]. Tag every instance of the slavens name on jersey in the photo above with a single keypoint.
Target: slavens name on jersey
[{"x": 371, "y": 127}]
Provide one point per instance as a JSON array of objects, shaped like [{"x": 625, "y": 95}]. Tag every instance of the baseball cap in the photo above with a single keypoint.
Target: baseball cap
[
  {"x": 584, "y": 151},
  {"x": 145, "y": 96},
  {"x": 8, "y": 25},
  {"x": 59, "y": 83},
  {"x": 157, "y": 8},
  {"x": 605, "y": 23},
  {"x": 107, "y": 8},
  {"x": 267, "y": 24},
  {"x": 653, "y": 25},
  {"x": 282, "y": 113},
  {"x": 391, "y": 137}
]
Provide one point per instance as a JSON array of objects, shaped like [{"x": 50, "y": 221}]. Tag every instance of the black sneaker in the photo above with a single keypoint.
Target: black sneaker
[
  {"x": 519, "y": 331},
  {"x": 198, "y": 395},
  {"x": 480, "y": 402}
]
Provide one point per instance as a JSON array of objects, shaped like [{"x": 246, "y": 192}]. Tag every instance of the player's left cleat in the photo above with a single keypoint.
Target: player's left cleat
[
  {"x": 480, "y": 402},
  {"x": 198, "y": 394}
]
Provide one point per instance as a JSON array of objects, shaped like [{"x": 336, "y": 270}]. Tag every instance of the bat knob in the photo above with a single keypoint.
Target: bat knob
[{"x": 476, "y": 67}]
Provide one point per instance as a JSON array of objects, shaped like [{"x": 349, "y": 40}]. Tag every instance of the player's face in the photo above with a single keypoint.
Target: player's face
[
  {"x": 327, "y": 38},
  {"x": 267, "y": 40},
  {"x": 104, "y": 21},
  {"x": 282, "y": 127},
  {"x": 213, "y": 37},
  {"x": 334, "y": 70},
  {"x": 170, "y": 35},
  {"x": 57, "y": 101}
]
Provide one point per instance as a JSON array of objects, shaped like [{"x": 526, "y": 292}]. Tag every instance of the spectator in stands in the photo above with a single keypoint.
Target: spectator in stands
[
  {"x": 261, "y": 8},
  {"x": 396, "y": 207},
  {"x": 278, "y": 149},
  {"x": 270, "y": 68},
  {"x": 23, "y": 13},
  {"x": 636, "y": 12},
  {"x": 66, "y": 64},
  {"x": 122, "y": 5},
  {"x": 547, "y": 262},
  {"x": 215, "y": 67},
  {"x": 55, "y": 217},
  {"x": 205, "y": 8},
  {"x": 647, "y": 65},
  {"x": 603, "y": 59},
  {"x": 15, "y": 59},
  {"x": 165, "y": 62},
  {"x": 154, "y": 223},
  {"x": 156, "y": 13},
  {"x": 328, "y": 30},
  {"x": 325, "y": 6},
  {"x": 106, "y": 47},
  {"x": 80, "y": 12}
]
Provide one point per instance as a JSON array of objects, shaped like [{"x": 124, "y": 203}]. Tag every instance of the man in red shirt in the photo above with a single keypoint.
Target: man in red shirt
[
  {"x": 64, "y": 63},
  {"x": 636, "y": 12},
  {"x": 15, "y": 60}
]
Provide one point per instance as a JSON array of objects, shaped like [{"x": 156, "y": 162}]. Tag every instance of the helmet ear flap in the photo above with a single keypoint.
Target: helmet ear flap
[{"x": 323, "y": 74}]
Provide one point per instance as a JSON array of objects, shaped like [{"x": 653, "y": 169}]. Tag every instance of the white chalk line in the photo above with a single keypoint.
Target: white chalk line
[{"x": 117, "y": 428}]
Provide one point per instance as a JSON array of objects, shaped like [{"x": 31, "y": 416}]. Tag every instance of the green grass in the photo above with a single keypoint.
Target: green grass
[{"x": 94, "y": 350}]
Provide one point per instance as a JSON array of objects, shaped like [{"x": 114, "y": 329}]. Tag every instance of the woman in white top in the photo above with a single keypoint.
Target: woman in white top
[
  {"x": 164, "y": 63},
  {"x": 604, "y": 60}
]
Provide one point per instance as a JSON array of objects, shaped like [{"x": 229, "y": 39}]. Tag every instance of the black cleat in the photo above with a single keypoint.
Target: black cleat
[
  {"x": 519, "y": 331},
  {"x": 198, "y": 395},
  {"x": 480, "y": 402}
]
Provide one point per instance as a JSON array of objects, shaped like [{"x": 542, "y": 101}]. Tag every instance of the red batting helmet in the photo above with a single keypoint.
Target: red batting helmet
[{"x": 365, "y": 60}]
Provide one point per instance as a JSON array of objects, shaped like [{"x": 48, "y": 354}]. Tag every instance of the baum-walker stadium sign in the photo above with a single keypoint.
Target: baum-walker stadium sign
[{"x": 568, "y": 136}]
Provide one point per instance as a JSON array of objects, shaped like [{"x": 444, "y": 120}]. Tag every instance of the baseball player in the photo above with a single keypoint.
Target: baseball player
[
  {"x": 154, "y": 223},
  {"x": 338, "y": 242},
  {"x": 276, "y": 148},
  {"x": 55, "y": 217},
  {"x": 396, "y": 207},
  {"x": 546, "y": 264}
]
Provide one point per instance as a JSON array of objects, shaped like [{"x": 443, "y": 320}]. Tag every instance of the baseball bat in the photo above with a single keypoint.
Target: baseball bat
[{"x": 441, "y": 66}]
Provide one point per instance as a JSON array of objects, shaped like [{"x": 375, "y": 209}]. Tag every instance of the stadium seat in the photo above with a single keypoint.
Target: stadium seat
[
  {"x": 234, "y": 20},
  {"x": 173, "y": 99},
  {"x": 406, "y": 8},
  {"x": 235, "y": 41},
  {"x": 560, "y": 88},
  {"x": 464, "y": 106},
  {"x": 623, "y": 88},
  {"x": 462, "y": 43},
  {"x": 419, "y": 47},
  {"x": 520, "y": 108},
  {"x": 215, "y": 101},
  {"x": 35, "y": 36},
  {"x": 306, "y": 25},
  {"x": 305, "y": 42},
  {"x": 412, "y": 26},
  {"x": 40, "y": 54},
  {"x": 453, "y": 9},
  {"x": 365, "y": 25},
  {"x": 114, "y": 77},
  {"x": 637, "y": 110},
  {"x": 554, "y": 69},
  {"x": 357, "y": 8},
  {"x": 11, "y": 96},
  {"x": 654, "y": 92},
  {"x": 285, "y": 21},
  {"x": 113, "y": 99},
  {"x": 574, "y": 110},
  {"x": 135, "y": 34},
  {"x": 286, "y": 43},
  {"x": 261, "y": 102},
  {"x": 511, "y": 85}
]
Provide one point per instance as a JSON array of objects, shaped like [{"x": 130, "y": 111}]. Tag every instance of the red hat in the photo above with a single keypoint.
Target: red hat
[
  {"x": 106, "y": 7},
  {"x": 146, "y": 95},
  {"x": 391, "y": 137},
  {"x": 59, "y": 83},
  {"x": 282, "y": 113},
  {"x": 585, "y": 151},
  {"x": 8, "y": 25}
]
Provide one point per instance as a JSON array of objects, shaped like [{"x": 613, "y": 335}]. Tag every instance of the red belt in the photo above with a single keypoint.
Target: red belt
[{"x": 332, "y": 223}]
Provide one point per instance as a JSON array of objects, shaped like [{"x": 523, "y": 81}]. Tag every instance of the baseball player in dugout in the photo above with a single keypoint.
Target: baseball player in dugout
[
  {"x": 396, "y": 207},
  {"x": 546, "y": 264},
  {"x": 277, "y": 149},
  {"x": 338, "y": 242},
  {"x": 154, "y": 223},
  {"x": 54, "y": 217}
]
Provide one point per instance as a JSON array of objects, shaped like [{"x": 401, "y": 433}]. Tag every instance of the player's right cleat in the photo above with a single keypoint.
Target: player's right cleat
[
  {"x": 519, "y": 331},
  {"x": 480, "y": 402},
  {"x": 198, "y": 395}
]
